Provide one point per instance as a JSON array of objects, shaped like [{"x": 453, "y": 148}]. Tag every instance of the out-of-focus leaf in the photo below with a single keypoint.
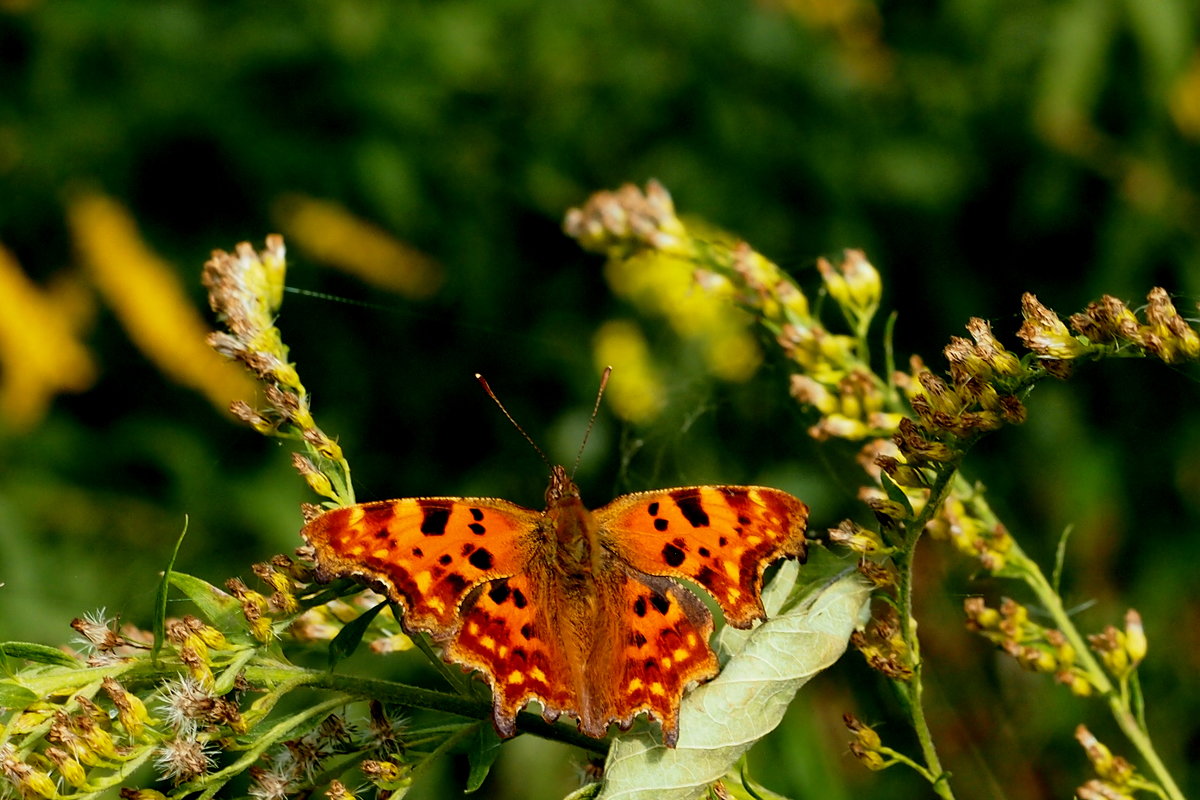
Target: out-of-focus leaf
[
  {"x": 721, "y": 720},
  {"x": 483, "y": 749},
  {"x": 39, "y": 653},
  {"x": 1072, "y": 72},
  {"x": 1164, "y": 30}
]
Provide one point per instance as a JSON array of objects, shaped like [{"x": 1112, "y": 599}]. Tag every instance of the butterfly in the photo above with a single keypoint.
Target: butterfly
[{"x": 581, "y": 611}]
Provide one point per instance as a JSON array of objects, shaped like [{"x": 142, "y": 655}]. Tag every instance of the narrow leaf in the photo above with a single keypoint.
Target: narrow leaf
[
  {"x": 346, "y": 642},
  {"x": 39, "y": 653},
  {"x": 722, "y": 719},
  {"x": 482, "y": 750},
  {"x": 896, "y": 494},
  {"x": 160, "y": 598}
]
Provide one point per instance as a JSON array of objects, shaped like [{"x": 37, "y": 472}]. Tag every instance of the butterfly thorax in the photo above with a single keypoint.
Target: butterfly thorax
[{"x": 576, "y": 551}]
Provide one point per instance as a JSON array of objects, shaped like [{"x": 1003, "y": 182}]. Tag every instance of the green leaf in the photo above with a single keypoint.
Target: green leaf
[
  {"x": 346, "y": 642},
  {"x": 160, "y": 598},
  {"x": 15, "y": 696},
  {"x": 895, "y": 493},
  {"x": 483, "y": 748},
  {"x": 39, "y": 653},
  {"x": 722, "y": 719},
  {"x": 222, "y": 610}
]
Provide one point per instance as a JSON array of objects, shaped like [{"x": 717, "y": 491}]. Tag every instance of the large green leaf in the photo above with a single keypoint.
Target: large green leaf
[{"x": 722, "y": 719}]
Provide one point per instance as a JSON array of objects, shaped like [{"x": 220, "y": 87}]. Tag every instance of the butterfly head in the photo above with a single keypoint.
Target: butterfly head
[{"x": 561, "y": 486}]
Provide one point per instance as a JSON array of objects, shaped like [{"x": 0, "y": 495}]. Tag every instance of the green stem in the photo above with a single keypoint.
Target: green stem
[
  {"x": 912, "y": 691},
  {"x": 1118, "y": 701},
  {"x": 402, "y": 694}
]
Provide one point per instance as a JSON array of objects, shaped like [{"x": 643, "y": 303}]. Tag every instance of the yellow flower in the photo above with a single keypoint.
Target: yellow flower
[
  {"x": 635, "y": 393},
  {"x": 149, "y": 300},
  {"x": 333, "y": 235},
  {"x": 40, "y": 355}
]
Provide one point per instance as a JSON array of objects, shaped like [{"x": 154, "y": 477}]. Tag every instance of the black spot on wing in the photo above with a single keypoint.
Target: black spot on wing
[
  {"x": 660, "y": 524},
  {"x": 653, "y": 509},
  {"x": 693, "y": 510},
  {"x": 476, "y": 514},
  {"x": 519, "y": 598},
  {"x": 444, "y": 559},
  {"x": 435, "y": 516},
  {"x": 661, "y": 604},
  {"x": 477, "y": 529},
  {"x": 481, "y": 560},
  {"x": 672, "y": 555},
  {"x": 498, "y": 594},
  {"x": 639, "y": 606}
]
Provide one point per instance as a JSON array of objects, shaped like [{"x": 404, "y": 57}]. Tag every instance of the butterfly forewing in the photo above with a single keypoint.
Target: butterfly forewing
[
  {"x": 720, "y": 537},
  {"x": 427, "y": 552}
]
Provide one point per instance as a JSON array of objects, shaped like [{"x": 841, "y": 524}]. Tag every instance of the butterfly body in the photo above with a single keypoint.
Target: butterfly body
[{"x": 577, "y": 609}]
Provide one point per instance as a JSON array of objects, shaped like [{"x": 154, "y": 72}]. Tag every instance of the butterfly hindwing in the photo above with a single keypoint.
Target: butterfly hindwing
[
  {"x": 428, "y": 553},
  {"x": 719, "y": 537}
]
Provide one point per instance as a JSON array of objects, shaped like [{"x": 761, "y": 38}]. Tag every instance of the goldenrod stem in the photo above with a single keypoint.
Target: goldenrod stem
[
  {"x": 912, "y": 691},
  {"x": 1118, "y": 701}
]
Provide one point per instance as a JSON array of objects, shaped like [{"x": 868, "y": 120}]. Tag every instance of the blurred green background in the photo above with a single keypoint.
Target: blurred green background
[{"x": 975, "y": 148}]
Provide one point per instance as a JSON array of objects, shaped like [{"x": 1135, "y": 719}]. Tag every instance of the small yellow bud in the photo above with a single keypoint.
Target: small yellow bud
[
  {"x": 1045, "y": 334},
  {"x": 868, "y": 758},
  {"x": 386, "y": 774},
  {"x": 1135, "y": 637},
  {"x": 71, "y": 770}
]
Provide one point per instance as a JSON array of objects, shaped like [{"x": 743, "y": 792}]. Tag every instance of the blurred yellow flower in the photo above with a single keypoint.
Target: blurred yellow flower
[
  {"x": 667, "y": 285},
  {"x": 635, "y": 393},
  {"x": 148, "y": 298},
  {"x": 1184, "y": 102},
  {"x": 40, "y": 354},
  {"x": 331, "y": 234}
]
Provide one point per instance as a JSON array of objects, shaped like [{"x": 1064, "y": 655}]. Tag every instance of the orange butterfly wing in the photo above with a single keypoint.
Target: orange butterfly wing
[
  {"x": 427, "y": 553},
  {"x": 719, "y": 537},
  {"x": 485, "y": 577}
]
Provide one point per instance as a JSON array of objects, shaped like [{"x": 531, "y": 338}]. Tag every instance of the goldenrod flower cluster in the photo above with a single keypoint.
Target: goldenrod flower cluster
[
  {"x": 1117, "y": 779},
  {"x": 990, "y": 542},
  {"x": 658, "y": 263},
  {"x": 695, "y": 278},
  {"x": 1109, "y": 326},
  {"x": 882, "y": 645},
  {"x": 77, "y": 725},
  {"x": 1041, "y": 649},
  {"x": 245, "y": 290},
  {"x": 1034, "y": 646}
]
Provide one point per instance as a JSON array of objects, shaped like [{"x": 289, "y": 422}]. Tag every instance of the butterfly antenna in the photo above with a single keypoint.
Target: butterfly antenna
[
  {"x": 592, "y": 421},
  {"x": 483, "y": 382}
]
